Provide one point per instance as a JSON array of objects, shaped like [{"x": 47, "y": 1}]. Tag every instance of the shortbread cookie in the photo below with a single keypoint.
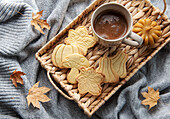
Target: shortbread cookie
[
  {"x": 118, "y": 62},
  {"x": 74, "y": 61},
  {"x": 80, "y": 38},
  {"x": 89, "y": 81},
  {"x": 106, "y": 68},
  {"x": 149, "y": 30},
  {"x": 61, "y": 51},
  {"x": 54, "y": 54}
]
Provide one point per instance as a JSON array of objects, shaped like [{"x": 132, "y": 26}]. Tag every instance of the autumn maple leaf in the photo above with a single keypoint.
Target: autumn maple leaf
[
  {"x": 36, "y": 94},
  {"x": 151, "y": 97},
  {"x": 16, "y": 77},
  {"x": 39, "y": 23}
]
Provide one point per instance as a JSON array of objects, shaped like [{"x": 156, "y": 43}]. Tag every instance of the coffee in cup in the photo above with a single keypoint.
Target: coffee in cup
[{"x": 112, "y": 23}]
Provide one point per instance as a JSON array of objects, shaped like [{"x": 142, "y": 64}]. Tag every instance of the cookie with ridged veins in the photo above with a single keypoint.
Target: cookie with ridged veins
[
  {"x": 80, "y": 38},
  {"x": 106, "y": 68},
  {"x": 118, "y": 62},
  {"x": 61, "y": 51},
  {"x": 89, "y": 81}
]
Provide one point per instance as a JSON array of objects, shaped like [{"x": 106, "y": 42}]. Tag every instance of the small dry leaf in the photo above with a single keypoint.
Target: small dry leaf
[
  {"x": 39, "y": 23},
  {"x": 151, "y": 97},
  {"x": 36, "y": 94},
  {"x": 16, "y": 77}
]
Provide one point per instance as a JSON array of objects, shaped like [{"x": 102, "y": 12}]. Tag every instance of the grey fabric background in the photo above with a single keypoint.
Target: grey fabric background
[{"x": 19, "y": 42}]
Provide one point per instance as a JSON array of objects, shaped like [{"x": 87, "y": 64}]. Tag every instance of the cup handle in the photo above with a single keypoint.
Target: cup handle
[{"x": 138, "y": 40}]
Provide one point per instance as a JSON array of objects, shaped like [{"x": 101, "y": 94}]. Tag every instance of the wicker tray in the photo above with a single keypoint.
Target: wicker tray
[{"x": 137, "y": 56}]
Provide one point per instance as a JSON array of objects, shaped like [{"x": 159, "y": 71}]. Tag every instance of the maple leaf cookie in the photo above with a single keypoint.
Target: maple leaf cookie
[
  {"x": 89, "y": 81},
  {"x": 80, "y": 38}
]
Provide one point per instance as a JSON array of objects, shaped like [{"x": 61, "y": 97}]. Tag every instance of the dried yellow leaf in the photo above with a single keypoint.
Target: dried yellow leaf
[
  {"x": 36, "y": 94},
  {"x": 39, "y": 23},
  {"x": 151, "y": 97},
  {"x": 16, "y": 77}
]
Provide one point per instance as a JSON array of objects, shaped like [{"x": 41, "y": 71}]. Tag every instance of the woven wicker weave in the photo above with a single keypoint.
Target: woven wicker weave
[{"x": 137, "y": 56}]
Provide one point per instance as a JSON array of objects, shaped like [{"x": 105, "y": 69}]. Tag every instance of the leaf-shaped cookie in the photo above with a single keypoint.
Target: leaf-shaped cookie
[
  {"x": 106, "y": 68},
  {"x": 148, "y": 30},
  {"x": 89, "y": 81},
  {"x": 80, "y": 38},
  {"x": 118, "y": 62}
]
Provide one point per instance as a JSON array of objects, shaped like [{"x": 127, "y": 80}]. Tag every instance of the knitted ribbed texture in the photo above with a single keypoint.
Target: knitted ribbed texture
[
  {"x": 19, "y": 42},
  {"x": 12, "y": 31},
  {"x": 13, "y": 27}
]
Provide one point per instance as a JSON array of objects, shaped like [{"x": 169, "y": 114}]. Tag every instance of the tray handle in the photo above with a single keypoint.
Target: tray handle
[
  {"x": 58, "y": 89},
  {"x": 164, "y": 7}
]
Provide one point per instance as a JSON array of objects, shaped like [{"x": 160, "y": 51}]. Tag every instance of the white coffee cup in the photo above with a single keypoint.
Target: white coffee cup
[{"x": 120, "y": 9}]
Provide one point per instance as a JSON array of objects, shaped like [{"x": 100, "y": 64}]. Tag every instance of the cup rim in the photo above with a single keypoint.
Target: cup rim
[{"x": 120, "y": 38}]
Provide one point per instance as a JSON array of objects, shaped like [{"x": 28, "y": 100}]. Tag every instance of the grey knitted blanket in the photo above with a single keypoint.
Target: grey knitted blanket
[{"x": 19, "y": 42}]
